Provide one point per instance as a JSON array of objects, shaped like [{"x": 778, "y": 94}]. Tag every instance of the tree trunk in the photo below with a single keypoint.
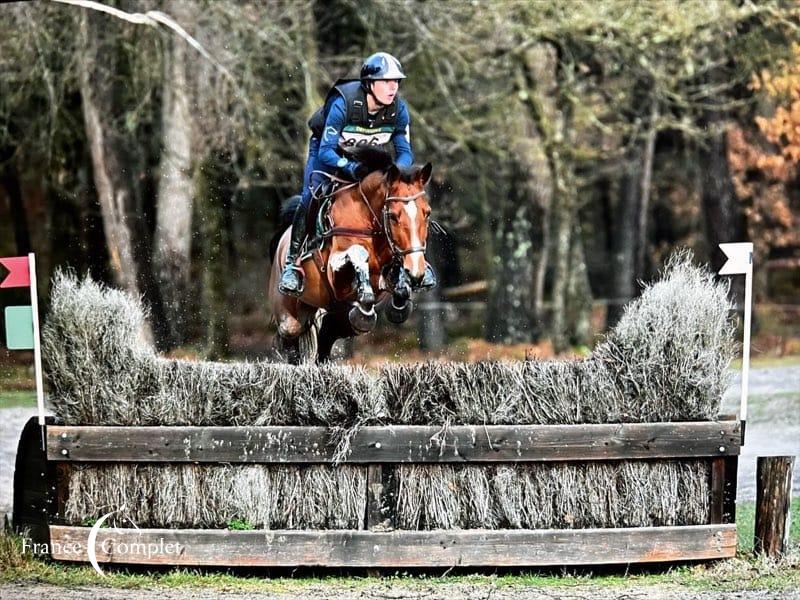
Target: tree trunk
[
  {"x": 432, "y": 335},
  {"x": 107, "y": 154},
  {"x": 546, "y": 221},
  {"x": 431, "y": 331},
  {"x": 724, "y": 220},
  {"x": 214, "y": 185},
  {"x": 623, "y": 241},
  {"x": 644, "y": 192},
  {"x": 562, "y": 249},
  {"x": 547, "y": 103},
  {"x": 9, "y": 179},
  {"x": 521, "y": 238},
  {"x": 172, "y": 240},
  {"x": 509, "y": 314},
  {"x": 578, "y": 293}
]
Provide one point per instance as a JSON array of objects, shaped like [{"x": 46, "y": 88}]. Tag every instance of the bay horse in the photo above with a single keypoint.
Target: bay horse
[{"x": 372, "y": 252}]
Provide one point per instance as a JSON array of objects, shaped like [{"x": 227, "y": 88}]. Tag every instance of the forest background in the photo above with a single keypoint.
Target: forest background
[{"x": 575, "y": 145}]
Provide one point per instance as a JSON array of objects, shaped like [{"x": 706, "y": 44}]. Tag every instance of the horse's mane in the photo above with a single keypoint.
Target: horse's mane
[{"x": 376, "y": 158}]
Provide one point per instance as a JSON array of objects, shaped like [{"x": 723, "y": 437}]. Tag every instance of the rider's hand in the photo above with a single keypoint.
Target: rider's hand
[{"x": 355, "y": 170}]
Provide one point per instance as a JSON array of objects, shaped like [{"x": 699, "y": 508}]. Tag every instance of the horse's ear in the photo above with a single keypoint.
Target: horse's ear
[
  {"x": 392, "y": 174},
  {"x": 425, "y": 173}
]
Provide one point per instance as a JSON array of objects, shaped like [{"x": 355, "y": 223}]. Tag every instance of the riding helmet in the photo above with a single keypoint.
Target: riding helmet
[{"x": 380, "y": 65}]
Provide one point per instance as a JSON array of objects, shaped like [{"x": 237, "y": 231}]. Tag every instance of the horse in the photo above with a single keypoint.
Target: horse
[{"x": 371, "y": 253}]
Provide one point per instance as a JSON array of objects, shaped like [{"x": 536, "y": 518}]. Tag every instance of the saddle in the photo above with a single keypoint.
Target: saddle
[{"x": 318, "y": 217}]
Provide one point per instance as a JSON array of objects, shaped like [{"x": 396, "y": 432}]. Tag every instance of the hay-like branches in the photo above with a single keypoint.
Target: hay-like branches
[
  {"x": 212, "y": 496},
  {"x": 547, "y": 496},
  {"x": 666, "y": 360}
]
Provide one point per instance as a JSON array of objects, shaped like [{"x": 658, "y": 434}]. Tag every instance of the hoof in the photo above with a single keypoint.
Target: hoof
[
  {"x": 399, "y": 314},
  {"x": 366, "y": 297},
  {"x": 361, "y": 320},
  {"x": 401, "y": 294}
]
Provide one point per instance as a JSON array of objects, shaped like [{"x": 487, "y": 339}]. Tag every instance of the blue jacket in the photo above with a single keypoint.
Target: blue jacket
[{"x": 343, "y": 121}]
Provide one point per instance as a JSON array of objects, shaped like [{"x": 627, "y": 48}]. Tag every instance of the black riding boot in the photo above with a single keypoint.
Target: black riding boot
[
  {"x": 291, "y": 282},
  {"x": 428, "y": 279}
]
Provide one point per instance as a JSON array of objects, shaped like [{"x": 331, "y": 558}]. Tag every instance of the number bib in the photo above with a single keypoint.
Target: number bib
[{"x": 358, "y": 135}]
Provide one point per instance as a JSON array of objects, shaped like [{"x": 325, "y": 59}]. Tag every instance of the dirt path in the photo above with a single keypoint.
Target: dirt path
[{"x": 483, "y": 591}]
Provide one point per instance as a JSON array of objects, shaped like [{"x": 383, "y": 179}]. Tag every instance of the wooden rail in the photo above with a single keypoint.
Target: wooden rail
[
  {"x": 288, "y": 548},
  {"x": 396, "y": 444}
]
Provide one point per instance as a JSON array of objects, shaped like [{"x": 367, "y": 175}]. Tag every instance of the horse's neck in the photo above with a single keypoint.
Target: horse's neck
[{"x": 354, "y": 211}]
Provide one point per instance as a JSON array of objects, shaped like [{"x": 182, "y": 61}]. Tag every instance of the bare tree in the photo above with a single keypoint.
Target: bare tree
[
  {"x": 173, "y": 234},
  {"x": 111, "y": 176}
]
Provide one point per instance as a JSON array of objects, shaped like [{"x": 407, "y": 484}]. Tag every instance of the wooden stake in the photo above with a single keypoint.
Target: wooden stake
[{"x": 773, "y": 501}]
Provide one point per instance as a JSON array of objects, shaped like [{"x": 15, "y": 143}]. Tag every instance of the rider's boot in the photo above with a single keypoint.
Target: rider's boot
[
  {"x": 291, "y": 282},
  {"x": 428, "y": 280}
]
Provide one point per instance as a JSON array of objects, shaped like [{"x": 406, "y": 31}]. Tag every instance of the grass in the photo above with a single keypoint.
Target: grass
[
  {"x": 745, "y": 524},
  {"x": 763, "y": 362},
  {"x": 745, "y": 572},
  {"x": 16, "y": 398},
  {"x": 766, "y": 408},
  {"x": 15, "y": 377}
]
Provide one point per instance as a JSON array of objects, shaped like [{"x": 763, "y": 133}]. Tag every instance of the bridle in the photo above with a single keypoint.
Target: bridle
[{"x": 383, "y": 223}]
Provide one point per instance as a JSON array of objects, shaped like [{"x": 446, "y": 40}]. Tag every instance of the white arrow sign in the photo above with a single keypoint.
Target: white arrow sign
[
  {"x": 740, "y": 262},
  {"x": 740, "y": 258}
]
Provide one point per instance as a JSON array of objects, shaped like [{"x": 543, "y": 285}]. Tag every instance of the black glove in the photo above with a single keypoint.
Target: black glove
[{"x": 355, "y": 170}]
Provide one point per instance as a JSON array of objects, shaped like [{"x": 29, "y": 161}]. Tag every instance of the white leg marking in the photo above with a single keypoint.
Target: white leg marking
[
  {"x": 356, "y": 255},
  {"x": 417, "y": 258}
]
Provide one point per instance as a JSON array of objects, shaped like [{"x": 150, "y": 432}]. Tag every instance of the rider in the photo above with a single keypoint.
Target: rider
[{"x": 356, "y": 112}]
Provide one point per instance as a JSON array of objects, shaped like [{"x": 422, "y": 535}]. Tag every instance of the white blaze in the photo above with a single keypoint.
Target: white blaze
[{"x": 417, "y": 258}]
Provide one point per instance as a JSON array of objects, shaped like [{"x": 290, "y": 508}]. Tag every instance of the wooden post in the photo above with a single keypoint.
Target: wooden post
[
  {"x": 773, "y": 501},
  {"x": 377, "y": 517}
]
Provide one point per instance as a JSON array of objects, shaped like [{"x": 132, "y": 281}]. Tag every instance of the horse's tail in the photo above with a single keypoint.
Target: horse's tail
[{"x": 286, "y": 215}]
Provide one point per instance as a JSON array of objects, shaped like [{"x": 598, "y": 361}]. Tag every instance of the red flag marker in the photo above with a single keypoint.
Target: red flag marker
[{"x": 18, "y": 272}]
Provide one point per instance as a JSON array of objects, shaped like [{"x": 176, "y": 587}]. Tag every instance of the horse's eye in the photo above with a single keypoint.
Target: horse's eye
[{"x": 394, "y": 218}]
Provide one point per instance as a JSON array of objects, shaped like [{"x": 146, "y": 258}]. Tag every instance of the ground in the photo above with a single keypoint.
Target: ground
[{"x": 381, "y": 590}]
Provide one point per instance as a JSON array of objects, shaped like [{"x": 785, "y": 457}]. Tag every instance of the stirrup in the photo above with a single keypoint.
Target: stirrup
[{"x": 287, "y": 286}]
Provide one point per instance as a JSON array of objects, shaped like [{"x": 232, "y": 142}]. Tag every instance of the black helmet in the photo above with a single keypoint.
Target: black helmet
[{"x": 380, "y": 65}]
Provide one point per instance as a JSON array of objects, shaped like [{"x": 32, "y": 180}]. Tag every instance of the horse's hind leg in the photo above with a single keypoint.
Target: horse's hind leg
[
  {"x": 287, "y": 349},
  {"x": 334, "y": 327}
]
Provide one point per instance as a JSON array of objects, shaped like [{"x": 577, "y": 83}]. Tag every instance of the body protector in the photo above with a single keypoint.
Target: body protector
[{"x": 361, "y": 128}]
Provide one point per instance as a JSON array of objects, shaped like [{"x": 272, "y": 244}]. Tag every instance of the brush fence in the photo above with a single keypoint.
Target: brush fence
[{"x": 378, "y": 544}]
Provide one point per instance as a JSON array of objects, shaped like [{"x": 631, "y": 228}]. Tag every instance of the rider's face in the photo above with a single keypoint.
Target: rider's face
[{"x": 385, "y": 90}]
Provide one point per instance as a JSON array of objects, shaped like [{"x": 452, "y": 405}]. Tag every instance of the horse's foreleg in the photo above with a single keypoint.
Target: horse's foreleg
[
  {"x": 399, "y": 309},
  {"x": 358, "y": 258}
]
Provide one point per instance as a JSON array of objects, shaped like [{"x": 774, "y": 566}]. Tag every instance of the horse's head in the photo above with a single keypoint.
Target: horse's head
[
  {"x": 397, "y": 196},
  {"x": 405, "y": 215}
]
